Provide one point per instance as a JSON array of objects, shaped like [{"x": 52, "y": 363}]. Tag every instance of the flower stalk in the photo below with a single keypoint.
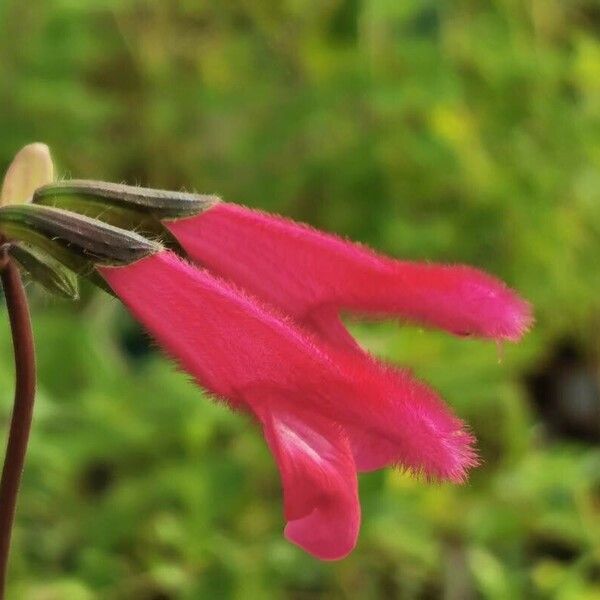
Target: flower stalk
[{"x": 25, "y": 381}]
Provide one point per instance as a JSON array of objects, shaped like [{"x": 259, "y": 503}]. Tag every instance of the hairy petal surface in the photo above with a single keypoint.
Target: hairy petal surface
[
  {"x": 319, "y": 481},
  {"x": 224, "y": 338},
  {"x": 421, "y": 433},
  {"x": 304, "y": 271},
  {"x": 248, "y": 355}
]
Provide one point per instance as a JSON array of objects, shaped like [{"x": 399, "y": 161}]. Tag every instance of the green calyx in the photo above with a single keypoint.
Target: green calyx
[
  {"x": 79, "y": 225},
  {"x": 46, "y": 271},
  {"x": 126, "y": 206},
  {"x": 76, "y": 241},
  {"x": 56, "y": 231}
]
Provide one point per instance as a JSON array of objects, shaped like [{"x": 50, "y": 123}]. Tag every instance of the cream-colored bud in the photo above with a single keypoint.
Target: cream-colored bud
[{"x": 30, "y": 169}]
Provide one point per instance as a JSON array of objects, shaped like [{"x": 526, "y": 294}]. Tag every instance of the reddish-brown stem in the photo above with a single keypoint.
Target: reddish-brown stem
[{"x": 22, "y": 336}]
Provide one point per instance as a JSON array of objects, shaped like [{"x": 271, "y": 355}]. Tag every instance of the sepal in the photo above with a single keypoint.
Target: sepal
[
  {"x": 78, "y": 242},
  {"x": 126, "y": 206},
  {"x": 46, "y": 271}
]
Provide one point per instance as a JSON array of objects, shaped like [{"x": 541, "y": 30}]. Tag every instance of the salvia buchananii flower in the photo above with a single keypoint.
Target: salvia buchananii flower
[{"x": 249, "y": 304}]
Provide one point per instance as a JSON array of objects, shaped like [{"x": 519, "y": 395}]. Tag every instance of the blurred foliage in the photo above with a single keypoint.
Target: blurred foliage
[{"x": 442, "y": 130}]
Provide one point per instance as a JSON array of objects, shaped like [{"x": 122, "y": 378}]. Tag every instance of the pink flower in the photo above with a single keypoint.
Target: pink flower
[
  {"x": 325, "y": 413},
  {"x": 268, "y": 339},
  {"x": 312, "y": 276},
  {"x": 257, "y": 323}
]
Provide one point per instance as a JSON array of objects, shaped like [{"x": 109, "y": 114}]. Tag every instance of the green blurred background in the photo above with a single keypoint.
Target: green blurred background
[{"x": 464, "y": 130}]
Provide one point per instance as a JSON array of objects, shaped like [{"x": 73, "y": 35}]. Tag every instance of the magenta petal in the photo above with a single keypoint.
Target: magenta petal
[
  {"x": 221, "y": 336},
  {"x": 415, "y": 429},
  {"x": 319, "y": 482},
  {"x": 302, "y": 270},
  {"x": 234, "y": 347}
]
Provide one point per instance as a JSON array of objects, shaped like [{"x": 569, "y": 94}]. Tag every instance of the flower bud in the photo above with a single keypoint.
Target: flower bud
[{"x": 31, "y": 168}]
